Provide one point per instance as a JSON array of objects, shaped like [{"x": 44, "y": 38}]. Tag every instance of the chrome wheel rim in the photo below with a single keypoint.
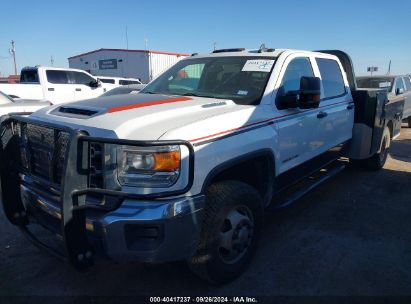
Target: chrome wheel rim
[{"x": 235, "y": 234}]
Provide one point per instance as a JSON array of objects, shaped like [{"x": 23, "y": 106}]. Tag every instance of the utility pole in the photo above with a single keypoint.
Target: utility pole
[
  {"x": 215, "y": 46},
  {"x": 127, "y": 37},
  {"x": 52, "y": 60},
  {"x": 13, "y": 53},
  {"x": 126, "y": 63},
  {"x": 389, "y": 68}
]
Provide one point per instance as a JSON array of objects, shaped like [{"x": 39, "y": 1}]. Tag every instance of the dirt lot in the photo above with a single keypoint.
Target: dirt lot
[{"x": 351, "y": 236}]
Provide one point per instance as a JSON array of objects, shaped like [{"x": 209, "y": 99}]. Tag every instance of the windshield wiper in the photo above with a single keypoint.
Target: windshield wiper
[{"x": 197, "y": 95}]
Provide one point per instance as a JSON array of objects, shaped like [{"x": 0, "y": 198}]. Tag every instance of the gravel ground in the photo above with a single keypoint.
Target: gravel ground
[{"x": 351, "y": 236}]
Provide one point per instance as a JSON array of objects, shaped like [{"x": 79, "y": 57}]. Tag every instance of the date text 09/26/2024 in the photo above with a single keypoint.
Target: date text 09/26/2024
[{"x": 208, "y": 299}]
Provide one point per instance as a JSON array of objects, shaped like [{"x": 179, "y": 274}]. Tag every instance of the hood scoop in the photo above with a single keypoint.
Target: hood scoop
[{"x": 75, "y": 112}]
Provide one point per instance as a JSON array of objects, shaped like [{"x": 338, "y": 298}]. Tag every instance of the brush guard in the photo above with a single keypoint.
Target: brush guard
[{"x": 73, "y": 207}]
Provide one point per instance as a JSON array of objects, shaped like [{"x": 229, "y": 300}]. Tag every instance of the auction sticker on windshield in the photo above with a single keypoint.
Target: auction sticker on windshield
[
  {"x": 386, "y": 84},
  {"x": 258, "y": 65}
]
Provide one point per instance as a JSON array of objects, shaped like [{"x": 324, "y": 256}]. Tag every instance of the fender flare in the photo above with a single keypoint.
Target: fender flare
[{"x": 241, "y": 159}]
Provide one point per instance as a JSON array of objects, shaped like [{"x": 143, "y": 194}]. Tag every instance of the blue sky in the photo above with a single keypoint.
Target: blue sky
[{"x": 372, "y": 32}]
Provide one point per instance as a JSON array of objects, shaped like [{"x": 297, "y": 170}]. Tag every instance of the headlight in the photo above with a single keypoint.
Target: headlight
[{"x": 147, "y": 166}]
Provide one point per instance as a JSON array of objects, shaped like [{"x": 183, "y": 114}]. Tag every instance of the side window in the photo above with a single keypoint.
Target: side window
[
  {"x": 57, "y": 77},
  {"x": 399, "y": 84},
  {"x": 331, "y": 77},
  {"x": 296, "y": 69},
  {"x": 107, "y": 80},
  {"x": 127, "y": 82},
  {"x": 82, "y": 78},
  {"x": 407, "y": 83}
]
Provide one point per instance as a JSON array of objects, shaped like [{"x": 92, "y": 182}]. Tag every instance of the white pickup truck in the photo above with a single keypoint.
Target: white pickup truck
[
  {"x": 185, "y": 169},
  {"x": 56, "y": 85}
]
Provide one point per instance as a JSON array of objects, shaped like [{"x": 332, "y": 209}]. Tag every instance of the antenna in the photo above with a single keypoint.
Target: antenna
[
  {"x": 145, "y": 43},
  {"x": 264, "y": 49},
  {"x": 12, "y": 51}
]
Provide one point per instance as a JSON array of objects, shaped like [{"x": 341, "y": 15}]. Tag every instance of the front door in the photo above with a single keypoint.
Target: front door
[
  {"x": 83, "y": 86},
  {"x": 298, "y": 132},
  {"x": 58, "y": 88}
]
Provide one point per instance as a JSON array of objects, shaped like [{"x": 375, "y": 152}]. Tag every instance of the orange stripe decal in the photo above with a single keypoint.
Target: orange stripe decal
[
  {"x": 261, "y": 122},
  {"x": 147, "y": 104}
]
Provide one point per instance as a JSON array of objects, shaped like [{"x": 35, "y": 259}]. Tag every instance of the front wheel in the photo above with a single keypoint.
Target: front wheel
[{"x": 231, "y": 227}]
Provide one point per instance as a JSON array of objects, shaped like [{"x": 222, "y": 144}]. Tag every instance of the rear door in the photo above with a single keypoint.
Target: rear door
[
  {"x": 336, "y": 115},
  {"x": 407, "y": 104},
  {"x": 84, "y": 88},
  {"x": 58, "y": 88}
]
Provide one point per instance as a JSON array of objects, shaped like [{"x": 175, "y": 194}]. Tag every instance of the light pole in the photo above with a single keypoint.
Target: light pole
[{"x": 13, "y": 53}]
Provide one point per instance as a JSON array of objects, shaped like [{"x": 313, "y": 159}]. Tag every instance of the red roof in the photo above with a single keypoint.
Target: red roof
[{"x": 130, "y": 51}]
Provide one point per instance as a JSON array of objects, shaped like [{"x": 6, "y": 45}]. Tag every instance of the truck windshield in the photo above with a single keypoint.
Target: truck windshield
[
  {"x": 375, "y": 83},
  {"x": 241, "y": 79}
]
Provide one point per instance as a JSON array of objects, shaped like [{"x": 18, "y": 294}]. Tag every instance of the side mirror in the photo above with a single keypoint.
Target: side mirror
[
  {"x": 310, "y": 92},
  {"x": 399, "y": 91},
  {"x": 95, "y": 84},
  {"x": 307, "y": 97}
]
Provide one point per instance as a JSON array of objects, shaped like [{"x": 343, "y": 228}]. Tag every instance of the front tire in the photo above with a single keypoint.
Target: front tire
[{"x": 230, "y": 231}]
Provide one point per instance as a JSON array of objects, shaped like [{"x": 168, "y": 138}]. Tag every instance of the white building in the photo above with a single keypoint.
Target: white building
[{"x": 143, "y": 64}]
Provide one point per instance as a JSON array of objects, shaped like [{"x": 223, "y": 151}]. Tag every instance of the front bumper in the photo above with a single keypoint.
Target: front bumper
[
  {"x": 128, "y": 226},
  {"x": 139, "y": 230}
]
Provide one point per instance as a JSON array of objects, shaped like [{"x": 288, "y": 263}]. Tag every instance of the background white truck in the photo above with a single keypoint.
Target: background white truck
[
  {"x": 185, "y": 169},
  {"x": 117, "y": 81},
  {"x": 57, "y": 85}
]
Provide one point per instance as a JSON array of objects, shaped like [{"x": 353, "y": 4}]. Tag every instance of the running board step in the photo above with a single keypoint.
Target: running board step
[{"x": 290, "y": 195}]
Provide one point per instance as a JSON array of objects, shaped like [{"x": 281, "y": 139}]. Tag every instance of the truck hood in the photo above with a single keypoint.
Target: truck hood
[
  {"x": 19, "y": 102},
  {"x": 22, "y": 105},
  {"x": 147, "y": 116}
]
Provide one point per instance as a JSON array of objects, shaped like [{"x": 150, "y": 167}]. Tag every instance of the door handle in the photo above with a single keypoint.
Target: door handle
[
  {"x": 78, "y": 90},
  {"x": 350, "y": 107},
  {"x": 50, "y": 89},
  {"x": 322, "y": 115}
]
